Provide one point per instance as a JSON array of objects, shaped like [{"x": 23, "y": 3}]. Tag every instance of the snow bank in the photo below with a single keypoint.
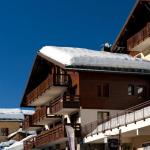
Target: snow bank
[{"x": 69, "y": 56}]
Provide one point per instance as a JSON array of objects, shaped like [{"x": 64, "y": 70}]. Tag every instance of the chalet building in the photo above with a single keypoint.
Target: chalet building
[
  {"x": 134, "y": 38},
  {"x": 129, "y": 128},
  {"x": 76, "y": 86}
]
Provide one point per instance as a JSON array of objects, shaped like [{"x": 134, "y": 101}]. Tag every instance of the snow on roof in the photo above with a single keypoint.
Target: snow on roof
[
  {"x": 18, "y": 145},
  {"x": 70, "y": 56},
  {"x": 28, "y": 112},
  {"x": 14, "y": 113},
  {"x": 21, "y": 131},
  {"x": 11, "y": 114}
]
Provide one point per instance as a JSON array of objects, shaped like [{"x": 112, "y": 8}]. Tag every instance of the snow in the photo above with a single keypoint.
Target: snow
[
  {"x": 11, "y": 114},
  {"x": 21, "y": 131},
  {"x": 14, "y": 113},
  {"x": 19, "y": 144},
  {"x": 28, "y": 112},
  {"x": 7, "y": 143},
  {"x": 70, "y": 56}
]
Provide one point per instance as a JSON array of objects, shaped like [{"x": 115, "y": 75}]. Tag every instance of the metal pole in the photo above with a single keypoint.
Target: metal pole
[{"x": 119, "y": 139}]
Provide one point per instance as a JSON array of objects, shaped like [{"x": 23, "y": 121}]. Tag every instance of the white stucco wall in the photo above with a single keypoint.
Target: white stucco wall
[{"x": 90, "y": 115}]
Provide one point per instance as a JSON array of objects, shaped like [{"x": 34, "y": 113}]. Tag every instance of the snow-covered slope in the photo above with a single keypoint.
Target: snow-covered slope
[{"x": 69, "y": 56}]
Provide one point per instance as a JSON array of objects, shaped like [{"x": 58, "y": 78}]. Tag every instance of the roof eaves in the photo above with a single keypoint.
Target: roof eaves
[
  {"x": 51, "y": 60},
  {"x": 110, "y": 69},
  {"x": 125, "y": 24}
]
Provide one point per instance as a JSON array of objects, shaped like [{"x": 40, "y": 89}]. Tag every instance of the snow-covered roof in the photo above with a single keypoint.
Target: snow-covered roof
[
  {"x": 73, "y": 57},
  {"x": 14, "y": 113},
  {"x": 11, "y": 114},
  {"x": 28, "y": 112}
]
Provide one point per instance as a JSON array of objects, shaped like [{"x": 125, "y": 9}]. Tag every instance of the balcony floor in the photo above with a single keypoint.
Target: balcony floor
[
  {"x": 65, "y": 111},
  {"x": 33, "y": 128},
  {"x": 48, "y": 95},
  {"x": 47, "y": 120}
]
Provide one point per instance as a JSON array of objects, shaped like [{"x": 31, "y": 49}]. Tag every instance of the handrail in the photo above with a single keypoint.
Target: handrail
[
  {"x": 26, "y": 122},
  {"x": 130, "y": 115},
  {"x": 65, "y": 101},
  {"x": 29, "y": 144},
  {"x": 50, "y": 135},
  {"x": 139, "y": 37},
  {"x": 55, "y": 79},
  {"x": 39, "y": 114},
  {"x": 39, "y": 89}
]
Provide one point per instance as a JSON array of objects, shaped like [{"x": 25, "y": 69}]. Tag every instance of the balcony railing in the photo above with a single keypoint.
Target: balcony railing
[
  {"x": 64, "y": 102},
  {"x": 51, "y": 135},
  {"x": 39, "y": 89},
  {"x": 138, "y": 37},
  {"x": 46, "y": 137},
  {"x": 61, "y": 80},
  {"x": 29, "y": 144},
  {"x": 26, "y": 123},
  {"x": 128, "y": 116},
  {"x": 39, "y": 114},
  {"x": 55, "y": 80},
  {"x": 54, "y": 134}
]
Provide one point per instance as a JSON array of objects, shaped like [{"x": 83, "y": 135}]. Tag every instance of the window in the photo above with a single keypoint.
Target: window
[
  {"x": 3, "y": 131},
  {"x": 130, "y": 89},
  {"x": 141, "y": 91},
  {"x": 101, "y": 116},
  {"x": 103, "y": 90},
  {"x": 99, "y": 91}
]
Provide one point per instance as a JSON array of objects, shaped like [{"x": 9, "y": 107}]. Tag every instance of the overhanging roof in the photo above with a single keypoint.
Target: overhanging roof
[{"x": 136, "y": 20}]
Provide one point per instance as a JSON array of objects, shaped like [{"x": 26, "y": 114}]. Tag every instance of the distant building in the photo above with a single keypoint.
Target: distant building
[
  {"x": 76, "y": 86},
  {"x": 134, "y": 38},
  {"x": 11, "y": 121}
]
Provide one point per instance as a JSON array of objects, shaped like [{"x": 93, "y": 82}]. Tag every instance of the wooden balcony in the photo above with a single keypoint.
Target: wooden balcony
[
  {"x": 43, "y": 116},
  {"x": 28, "y": 126},
  {"x": 65, "y": 105},
  {"x": 29, "y": 144},
  {"x": 140, "y": 41},
  {"x": 50, "y": 88},
  {"x": 55, "y": 135}
]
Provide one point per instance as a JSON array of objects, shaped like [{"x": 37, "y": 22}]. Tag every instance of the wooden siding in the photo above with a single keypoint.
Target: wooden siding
[{"x": 118, "y": 90}]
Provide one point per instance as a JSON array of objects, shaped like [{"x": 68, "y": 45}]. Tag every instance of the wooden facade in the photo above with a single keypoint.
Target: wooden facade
[
  {"x": 118, "y": 97},
  {"x": 135, "y": 34}
]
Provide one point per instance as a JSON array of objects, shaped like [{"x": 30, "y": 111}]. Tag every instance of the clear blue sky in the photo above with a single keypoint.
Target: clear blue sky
[{"x": 27, "y": 25}]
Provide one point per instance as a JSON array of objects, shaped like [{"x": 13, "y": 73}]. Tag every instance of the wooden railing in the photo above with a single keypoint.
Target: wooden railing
[
  {"x": 29, "y": 144},
  {"x": 39, "y": 114},
  {"x": 131, "y": 115},
  {"x": 138, "y": 37},
  {"x": 55, "y": 79},
  {"x": 61, "y": 80},
  {"x": 64, "y": 102},
  {"x": 26, "y": 123},
  {"x": 51, "y": 135},
  {"x": 39, "y": 89},
  {"x": 56, "y": 133}
]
